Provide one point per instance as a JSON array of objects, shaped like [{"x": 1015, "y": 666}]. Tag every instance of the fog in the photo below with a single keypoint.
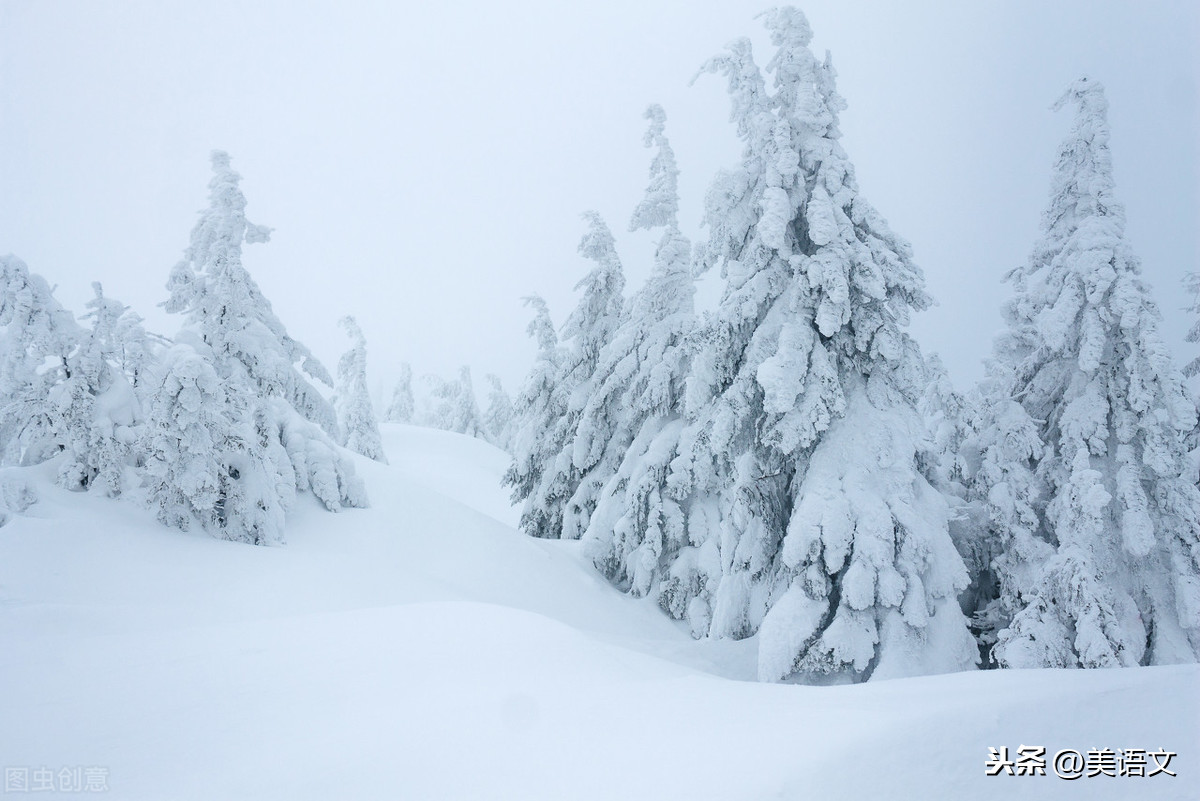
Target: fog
[{"x": 424, "y": 166}]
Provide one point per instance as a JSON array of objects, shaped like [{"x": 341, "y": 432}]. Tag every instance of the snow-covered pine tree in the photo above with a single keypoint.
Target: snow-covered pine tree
[
  {"x": 1111, "y": 575},
  {"x": 465, "y": 415},
  {"x": 498, "y": 418},
  {"x": 539, "y": 407},
  {"x": 402, "y": 407},
  {"x": 279, "y": 427},
  {"x": 807, "y": 519},
  {"x": 37, "y": 339},
  {"x": 353, "y": 404},
  {"x": 629, "y": 427},
  {"x": 548, "y": 512},
  {"x": 99, "y": 409},
  {"x": 224, "y": 305}
]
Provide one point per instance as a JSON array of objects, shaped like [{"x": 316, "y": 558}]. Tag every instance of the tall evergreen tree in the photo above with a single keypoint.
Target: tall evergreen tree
[
  {"x": 806, "y": 517},
  {"x": 225, "y": 307},
  {"x": 275, "y": 429},
  {"x": 356, "y": 417},
  {"x": 587, "y": 330},
  {"x": 1111, "y": 573},
  {"x": 634, "y": 409}
]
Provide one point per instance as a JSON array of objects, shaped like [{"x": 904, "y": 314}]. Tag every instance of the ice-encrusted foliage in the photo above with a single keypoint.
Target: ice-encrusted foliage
[
  {"x": 403, "y": 405},
  {"x": 628, "y": 426},
  {"x": 547, "y": 510},
  {"x": 225, "y": 307},
  {"x": 1104, "y": 569},
  {"x": 804, "y": 516},
  {"x": 38, "y": 337},
  {"x": 356, "y": 416}
]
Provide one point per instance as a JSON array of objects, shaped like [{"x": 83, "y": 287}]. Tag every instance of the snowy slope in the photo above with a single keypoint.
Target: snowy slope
[{"x": 424, "y": 649}]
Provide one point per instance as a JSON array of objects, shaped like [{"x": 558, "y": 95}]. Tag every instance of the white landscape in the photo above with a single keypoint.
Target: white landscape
[
  {"x": 449, "y": 656},
  {"x": 725, "y": 506}
]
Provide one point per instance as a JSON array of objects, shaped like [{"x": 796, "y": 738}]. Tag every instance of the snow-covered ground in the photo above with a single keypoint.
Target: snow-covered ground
[{"x": 423, "y": 648}]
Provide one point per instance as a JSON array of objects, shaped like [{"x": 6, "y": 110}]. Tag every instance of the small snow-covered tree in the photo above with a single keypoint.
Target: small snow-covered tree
[
  {"x": 1104, "y": 570},
  {"x": 355, "y": 414},
  {"x": 538, "y": 408},
  {"x": 97, "y": 404},
  {"x": 37, "y": 339},
  {"x": 588, "y": 329},
  {"x": 498, "y": 418},
  {"x": 402, "y": 407},
  {"x": 466, "y": 418}
]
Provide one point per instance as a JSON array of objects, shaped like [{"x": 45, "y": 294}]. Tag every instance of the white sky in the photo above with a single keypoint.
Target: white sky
[{"x": 424, "y": 164}]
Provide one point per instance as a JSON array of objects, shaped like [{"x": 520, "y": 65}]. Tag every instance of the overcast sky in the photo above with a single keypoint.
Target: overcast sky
[{"x": 424, "y": 165}]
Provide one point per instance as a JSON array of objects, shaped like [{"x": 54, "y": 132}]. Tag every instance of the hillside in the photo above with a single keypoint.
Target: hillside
[{"x": 423, "y": 648}]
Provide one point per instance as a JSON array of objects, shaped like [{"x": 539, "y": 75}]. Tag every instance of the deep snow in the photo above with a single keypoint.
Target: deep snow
[{"x": 423, "y": 648}]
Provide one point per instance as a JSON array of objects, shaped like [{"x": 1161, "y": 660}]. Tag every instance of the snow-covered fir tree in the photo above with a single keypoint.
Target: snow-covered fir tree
[
  {"x": 403, "y": 406},
  {"x": 628, "y": 428},
  {"x": 356, "y": 417},
  {"x": 498, "y": 418},
  {"x": 465, "y": 417},
  {"x": 805, "y": 516},
  {"x": 278, "y": 427},
  {"x": 538, "y": 408},
  {"x": 547, "y": 510},
  {"x": 37, "y": 339},
  {"x": 1104, "y": 570},
  {"x": 99, "y": 409},
  {"x": 225, "y": 307}
]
